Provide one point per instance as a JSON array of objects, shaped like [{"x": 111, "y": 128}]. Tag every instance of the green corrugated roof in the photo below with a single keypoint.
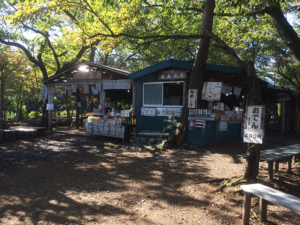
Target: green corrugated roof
[{"x": 181, "y": 65}]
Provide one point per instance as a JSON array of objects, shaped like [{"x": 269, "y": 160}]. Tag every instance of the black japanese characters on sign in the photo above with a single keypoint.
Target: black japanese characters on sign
[
  {"x": 192, "y": 100},
  {"x": 172, "y": 74},
  {"x": 253, "y": 132}
]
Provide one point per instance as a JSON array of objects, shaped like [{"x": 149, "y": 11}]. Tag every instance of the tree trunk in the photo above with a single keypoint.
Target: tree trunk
[
  {"x": 197, "y": 75},
  {"x": 92, "y": 54},
  {"x": 254, "y": 93},
  {"x": 284, "y": 29},
  {"x": 20, "y": 111},
  {"x": 17, "y": 113}
]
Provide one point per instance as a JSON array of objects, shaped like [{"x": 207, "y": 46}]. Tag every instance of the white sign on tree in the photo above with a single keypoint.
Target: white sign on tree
[{"x": 253, "y": 132}]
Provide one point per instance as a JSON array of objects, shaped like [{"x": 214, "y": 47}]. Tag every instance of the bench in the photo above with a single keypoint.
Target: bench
[
  {"x": 266, "y": 194},
  {"x": 9, "y": 134}
]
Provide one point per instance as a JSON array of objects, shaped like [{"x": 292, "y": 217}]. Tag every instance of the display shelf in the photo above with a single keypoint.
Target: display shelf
[{"x": 108, "y": 130}]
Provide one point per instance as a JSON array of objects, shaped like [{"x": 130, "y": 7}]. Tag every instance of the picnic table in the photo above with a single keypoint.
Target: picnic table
[
  {"x": 27, "y": 130},
  {"x": 278, "y": 155}
]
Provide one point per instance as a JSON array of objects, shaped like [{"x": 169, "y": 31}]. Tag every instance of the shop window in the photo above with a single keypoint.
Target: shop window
[{"x": 164, "y": 94}]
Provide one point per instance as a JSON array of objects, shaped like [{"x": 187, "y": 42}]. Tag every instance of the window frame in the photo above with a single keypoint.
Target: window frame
[{"x": 162, "y": 94}]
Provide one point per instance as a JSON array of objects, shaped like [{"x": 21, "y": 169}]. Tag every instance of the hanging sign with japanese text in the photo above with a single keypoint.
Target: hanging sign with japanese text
[
  {"x": 211, "y": 91},
  {"x": 172, "y": 74},
  {"x": 192, "y": 101},
  {"x": 254, "y": 124}
]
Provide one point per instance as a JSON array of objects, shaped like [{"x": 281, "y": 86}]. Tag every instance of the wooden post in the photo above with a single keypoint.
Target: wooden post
[
  {"x": 289, "y": 166},
  {"x": 246, "y": 209},
  {"x": 282, "y": 118},
  {"x": 262, "y": 210},
  {"x": 134, "y": 99},
  {"x": 270, "y": 170},
  {"x": 276, "y": 166},
  {"x": 77, "y": 111},
  {"x": 50, "y": 119}
]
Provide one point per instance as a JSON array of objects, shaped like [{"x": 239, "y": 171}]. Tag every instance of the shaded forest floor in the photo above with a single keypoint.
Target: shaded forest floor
[{"x": 64, "y": 178}]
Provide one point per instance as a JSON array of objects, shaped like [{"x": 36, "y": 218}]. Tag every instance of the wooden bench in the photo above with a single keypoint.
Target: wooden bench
[
  {"x": 266, "y": 194},
  {"x": 9, "y": 134}
]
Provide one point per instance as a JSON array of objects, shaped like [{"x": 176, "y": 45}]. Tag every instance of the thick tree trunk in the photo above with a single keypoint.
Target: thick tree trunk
[
  {"x": 92, "y": 54},
  {"x": 196, "y": 80},
  {"x": 254, "y": 93},
  {"x": 284, "y": 29}
]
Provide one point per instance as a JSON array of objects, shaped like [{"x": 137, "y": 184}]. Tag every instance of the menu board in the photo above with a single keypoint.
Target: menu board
[
  {"x": 86, "y": 89},
  {"x": 123, "y": 84},
  {"x": 223, "y": 126},
  {"x": 254, "y": 126},
  {"x": 98, "y": 87},
  {"x": 89, "y": 128},
  {"x": 211, "y": 91},
  {"x": 109, "y": 84},
  {"x": 74, "y": 90},
  {"x": 118, "y": 130},
  {"x": 237, "y": 91},
  {"x": 112, "y": 130},
  {"x": 102, "y": 96},
  {"x": 98, "y": 128},
  {"x": 169, "y": 112},
  {"x": 148, "y": 111},
  {"x": 106, "y": 128}
]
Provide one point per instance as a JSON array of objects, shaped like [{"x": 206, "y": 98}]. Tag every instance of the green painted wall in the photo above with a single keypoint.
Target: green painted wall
[{"x": 211, "y": 134}]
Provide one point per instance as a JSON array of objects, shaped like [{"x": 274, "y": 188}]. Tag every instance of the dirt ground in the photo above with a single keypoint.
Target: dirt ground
[{"x": 63, "y": 177}]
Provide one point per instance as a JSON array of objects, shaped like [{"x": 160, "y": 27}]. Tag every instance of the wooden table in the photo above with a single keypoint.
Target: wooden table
[
  {"x": 278, "y": 155},
  {"x": 28, "y": 130}
]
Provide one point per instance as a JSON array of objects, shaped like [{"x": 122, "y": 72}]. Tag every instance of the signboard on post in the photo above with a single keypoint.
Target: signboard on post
[
  {"x": 193, "y": 94},
  {"x": 50, "y": 107},
  {"x": 254, "y": 124}
]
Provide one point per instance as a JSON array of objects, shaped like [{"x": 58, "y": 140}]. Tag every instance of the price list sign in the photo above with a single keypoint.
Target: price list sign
[{"x": 253, "y": 132}]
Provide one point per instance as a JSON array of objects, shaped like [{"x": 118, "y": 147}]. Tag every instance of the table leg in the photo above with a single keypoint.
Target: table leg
[
  {"x": 270, "y": 170},
  {"x": 276, "y": 166},
  {"x": 289, "y": 163},
  {"x": 262, "y": 210},
  {"x": 246, "y": 209}
]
